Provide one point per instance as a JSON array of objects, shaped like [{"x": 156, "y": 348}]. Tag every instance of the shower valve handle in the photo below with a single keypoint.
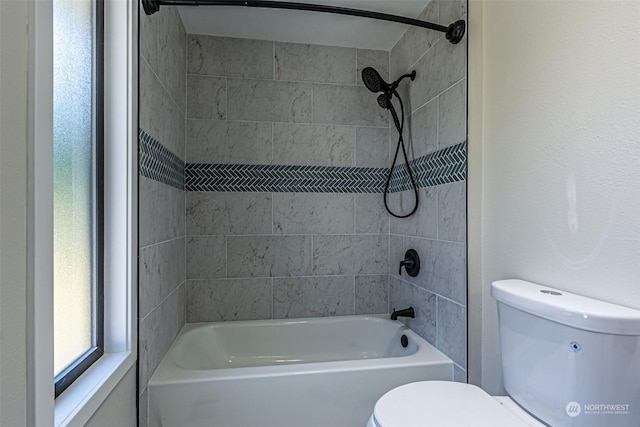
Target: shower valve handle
[{"x": 411, "y": 263}]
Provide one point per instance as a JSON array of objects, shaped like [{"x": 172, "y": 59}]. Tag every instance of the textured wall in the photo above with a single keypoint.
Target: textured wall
[
  {"x": 261, "y": 255},
  {"x": 561, "y": 153},
  {"x": 162, "y": 206},
  {"x": 437, "y": 102}
]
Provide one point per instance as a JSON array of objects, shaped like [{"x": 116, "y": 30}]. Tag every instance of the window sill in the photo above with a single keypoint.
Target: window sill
[{"x": 76, "y": 405}]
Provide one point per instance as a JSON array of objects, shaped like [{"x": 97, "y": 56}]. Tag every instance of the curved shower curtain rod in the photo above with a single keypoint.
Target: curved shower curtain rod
[{"x": 453, "y": 32}]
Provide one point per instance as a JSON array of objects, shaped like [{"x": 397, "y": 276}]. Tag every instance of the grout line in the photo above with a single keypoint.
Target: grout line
[
  {"x": 162, "y": 242},
  {"x": 319, "y": 276},
  {"x": 354, "y": 294},
  {"x": 304, "y": 82},
  {"x": 157, "y": 306},
  {"x": 226, "y": 256},
  {"x": 338, "y": 125},
  {"x": 312, "y": 263},
  {"x": 437, "y": 95}
]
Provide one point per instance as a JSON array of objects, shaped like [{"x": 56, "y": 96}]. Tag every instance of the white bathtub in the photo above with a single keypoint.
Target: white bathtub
[{"x": 325, "y": 372}]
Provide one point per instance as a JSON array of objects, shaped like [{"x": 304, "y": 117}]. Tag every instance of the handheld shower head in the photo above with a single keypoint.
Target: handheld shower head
[
  {"x": 384, "y": 101},
  {"x": 373, "y": 81}
]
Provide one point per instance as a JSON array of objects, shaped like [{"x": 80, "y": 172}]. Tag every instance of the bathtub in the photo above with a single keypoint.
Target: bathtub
[{"x": 325, "y": 372}]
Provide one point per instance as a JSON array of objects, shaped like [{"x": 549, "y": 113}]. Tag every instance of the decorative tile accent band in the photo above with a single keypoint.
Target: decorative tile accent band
[
  {"x": 284, "y": 178},
  {"x": 155, "y": 161},
  {"x": 160, "y": 164},
  {"x": 440, "y": 167}
]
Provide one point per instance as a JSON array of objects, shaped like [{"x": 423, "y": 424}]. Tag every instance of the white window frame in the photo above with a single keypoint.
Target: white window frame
[{"x": 77, "y": 404}]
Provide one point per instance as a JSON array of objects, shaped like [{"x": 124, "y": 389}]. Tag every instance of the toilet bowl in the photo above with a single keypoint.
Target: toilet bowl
[
  {"x": 447, "y": 404},
  {"x": 554, "y": 368}
]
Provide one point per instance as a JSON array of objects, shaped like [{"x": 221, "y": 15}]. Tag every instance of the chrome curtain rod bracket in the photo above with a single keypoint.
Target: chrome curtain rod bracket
[{"x": 454, "y": 32}]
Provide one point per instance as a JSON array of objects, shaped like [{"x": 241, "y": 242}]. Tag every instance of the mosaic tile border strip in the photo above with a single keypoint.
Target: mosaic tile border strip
[
  {"x": 443, "y": 166},
  {"x": 284, "y": 178},
  {"x": 155, "y": 161},
  {"x": 440, "y": 167}
]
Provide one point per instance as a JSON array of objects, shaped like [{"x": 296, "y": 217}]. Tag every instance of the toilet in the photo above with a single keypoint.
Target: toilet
[{"x": 567, "y": 360}]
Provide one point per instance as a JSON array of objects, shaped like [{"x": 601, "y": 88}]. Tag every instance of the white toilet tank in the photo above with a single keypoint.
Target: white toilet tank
[{"x": 567, "y": 359}]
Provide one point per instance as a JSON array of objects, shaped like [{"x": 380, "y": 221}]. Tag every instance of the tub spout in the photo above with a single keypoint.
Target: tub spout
[{"x": 407, "y": 312}]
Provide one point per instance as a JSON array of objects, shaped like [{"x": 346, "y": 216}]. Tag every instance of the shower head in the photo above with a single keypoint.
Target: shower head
[
  {"x": 384, "y": 101},
  {"x": 374, "y": 81}
]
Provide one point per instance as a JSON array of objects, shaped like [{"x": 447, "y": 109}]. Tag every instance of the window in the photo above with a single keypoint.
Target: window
[{"x": 78, "y": 253}]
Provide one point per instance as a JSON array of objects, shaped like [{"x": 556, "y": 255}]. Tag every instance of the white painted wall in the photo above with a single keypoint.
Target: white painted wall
[
  {"x": 560, "y": 153},
  {"x": 119, "y": 410},
  {"x": 13, "y": 208}
]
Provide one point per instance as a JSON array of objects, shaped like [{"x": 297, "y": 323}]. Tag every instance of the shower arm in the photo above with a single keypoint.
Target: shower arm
[{"x": 454, "y": 32}]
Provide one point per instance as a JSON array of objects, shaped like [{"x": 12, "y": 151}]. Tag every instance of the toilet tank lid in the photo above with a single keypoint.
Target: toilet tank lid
[{"x": 566, "y": 308}]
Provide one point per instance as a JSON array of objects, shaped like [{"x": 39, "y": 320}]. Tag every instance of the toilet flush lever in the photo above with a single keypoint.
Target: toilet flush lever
[{"x": 411, "y": 263}]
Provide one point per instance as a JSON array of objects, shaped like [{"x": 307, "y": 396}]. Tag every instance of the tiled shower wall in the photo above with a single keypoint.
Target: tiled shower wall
[
  {"x": 161, "y": 200},
  {"x": 437, "y": 101},
  {"x": 276, "y": 253}
]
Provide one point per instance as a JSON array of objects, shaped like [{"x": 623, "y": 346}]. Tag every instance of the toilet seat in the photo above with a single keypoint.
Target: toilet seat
[{"x": 444, "y": 404}]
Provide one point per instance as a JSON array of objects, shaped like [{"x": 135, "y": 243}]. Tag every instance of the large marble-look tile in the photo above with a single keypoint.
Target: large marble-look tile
[
  {"x": 314, "y": 145},
  {"x": 314, "y": 63},
  {"x": 162, "y": 268},
  {"x": 372, "y": 147},
  {"x": 414, "y": 43},
  {"x": 442, "y": 267},
  {"x": 228, "y": 299},
  {"x": 423, "y": 223},
  {"x": 444, "y": 64},
  {"x": 452, "y": 331},
  {"x": 402, "y": 203},
  {"x": 452, "y": 10},
  {"x": 371, "y": 216},
  {"x": 396, "y": 253},
  {"x": 206, "y": 257},
  {"x": 452, "y": 208},
  {"x": 269, "y": 101},
  {"x": 161, "y": 212},
  {"x": 424, "y": 130},
  {"x": 147, "y": 33},
  {"x": 313, "y": 213},
  {"x": 150, "y": 102},
  {"x": 229, "y": 57},
  {"x": 347, "y": 105},
  {"x": 268, "y": 256},
  {"x": 162, "y": 45},
  {"x": 157, "y": 331},
  {"x": 171, "y": 72},
  {"x": 143, "y": 408},
  {"x": 350, "y": 254},
  {"x": 173, "y": 126},
  {"x": 378, "y": 59},
  {"x": 312, "y": 296},
  {"x": 452, "y": 115},
  {"x": 403, "y": 295},
  {"x": 372, "y": 294},
  {"x": 228, "y": 213},
  {"x": 207, "y": 97},
  {"x": 459, "y": 374},
  {"x": 219, "y": 141}
]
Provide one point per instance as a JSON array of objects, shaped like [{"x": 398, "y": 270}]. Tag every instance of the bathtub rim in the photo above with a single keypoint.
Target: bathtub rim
[{"x": 169, "y": 373}]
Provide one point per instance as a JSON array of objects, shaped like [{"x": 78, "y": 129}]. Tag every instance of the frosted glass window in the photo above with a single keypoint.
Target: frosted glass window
[{"x": 77, "y": 191}]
